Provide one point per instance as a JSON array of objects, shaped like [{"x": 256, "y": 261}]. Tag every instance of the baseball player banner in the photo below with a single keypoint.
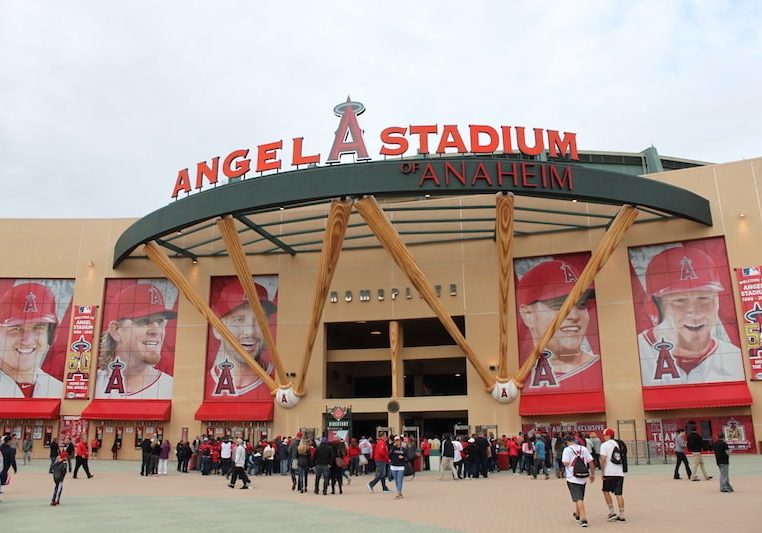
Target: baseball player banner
[
  {"x": 686, "y": 321},
  {"x": 32, "y": 345},
  {"x": 571, "y": 361},
  {"x": 137, "y": 345},
  {"x": 738, "y": 431},
  {"x": 80, "y": 352},
  {"x": 750, "y": 288},
  {"x": 228, "y": 377}
]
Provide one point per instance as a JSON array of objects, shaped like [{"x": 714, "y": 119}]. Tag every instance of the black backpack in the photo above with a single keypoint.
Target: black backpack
[
  {"x": 579, "y": 467},
  {"x": 623, "y": 452},
  {"x": 447, "y": 449}
]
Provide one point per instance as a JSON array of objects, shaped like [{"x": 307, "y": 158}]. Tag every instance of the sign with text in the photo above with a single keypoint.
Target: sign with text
[
  {"x": 750, "y": 289},
  {"x": 79, "y": 353}
]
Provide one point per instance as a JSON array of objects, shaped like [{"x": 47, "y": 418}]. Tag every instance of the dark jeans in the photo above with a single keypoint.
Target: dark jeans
[
  {"x": 323, "y": 471},
  {"x": 226, "y": 464},
  {"x": 81, "y": 461},
  {"x": 382, "y": 470},
  {"x": 145, "y": 465},
  {"x": 239, "y": 472},
  {"x": 681, "y": 458}
]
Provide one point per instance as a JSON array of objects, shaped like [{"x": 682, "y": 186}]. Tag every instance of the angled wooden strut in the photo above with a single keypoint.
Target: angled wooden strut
[
  {"x": 395, "y": 343},
  {"x": 504, "y": 236},
  {"x": 229, "y": 234},
  {"x": 390, "y": 239},
  {"x": 614, "y": 235},
  {"x": 335, "y": 229},
  {"x": 160, "y": 259}
]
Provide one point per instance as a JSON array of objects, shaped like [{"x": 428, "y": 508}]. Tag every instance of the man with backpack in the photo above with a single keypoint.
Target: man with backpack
[
  {"x": 580, "y": 467},
  {"x": 612, "y": 468}
]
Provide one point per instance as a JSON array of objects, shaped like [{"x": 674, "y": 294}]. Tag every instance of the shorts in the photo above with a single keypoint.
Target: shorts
[
  {"x": 613, "y": 484},
  {"x": 577, "y": 491}
]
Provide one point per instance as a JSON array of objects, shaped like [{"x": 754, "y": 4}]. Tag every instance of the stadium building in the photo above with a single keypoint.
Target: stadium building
[{"x": 502, "y": 284}]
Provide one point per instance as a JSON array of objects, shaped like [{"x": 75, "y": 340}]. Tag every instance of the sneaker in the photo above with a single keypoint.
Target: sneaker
[
  {"x": 231, "y": 486},
  {"x": 370, "y": 488},
  {"x": 620, "y": 519},
  {"x": 695, "y": 479},
  {"x": 576, "y": 517},
  {"x": 245, "y": 487},
  {"x": 386, "y": 490},
  {"x": 612, "y": 517},
  {"x": 349, "y": 481},
  {"x": 710, "y": 477},
  {"x": 52, "y": 503},
  {"x": 583, "y": 523}
]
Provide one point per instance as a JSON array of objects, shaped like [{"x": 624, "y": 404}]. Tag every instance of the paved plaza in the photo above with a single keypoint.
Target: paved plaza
[{"x": 118, "y": 499}]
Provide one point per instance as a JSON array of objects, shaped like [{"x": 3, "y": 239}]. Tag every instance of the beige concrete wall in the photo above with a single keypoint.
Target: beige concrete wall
[{"x": 82, "y": 249}]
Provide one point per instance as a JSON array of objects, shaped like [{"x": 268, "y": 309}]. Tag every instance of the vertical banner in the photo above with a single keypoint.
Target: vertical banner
[
  {"x": 228, "y": 377},
  {"x": 138, "y": 436},
  {"x": 79, "y": 354},
  {"x": 48, "y": 436},
  {"x": 35, "y": 312},
  {"x": 687, "y": 329},
  {"x": 136, "y": 353},
  {"x": 571, "y": 361},
  {"x": 750, "y": 288}
]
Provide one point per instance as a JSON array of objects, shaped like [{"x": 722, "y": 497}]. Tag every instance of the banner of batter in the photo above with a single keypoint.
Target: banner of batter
[
  {"x": 34, "y": 319},
  {"x": 571, "y": 361},
  {"x": 137, "y": 344},
  {"x": 686, "y": 322},
  {"x": 227, "y": 375}
]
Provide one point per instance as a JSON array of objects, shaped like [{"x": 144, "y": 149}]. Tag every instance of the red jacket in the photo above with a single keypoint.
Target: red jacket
[
  {"x": 80, "y": 450},
  {"x": 380, "y": 451}
]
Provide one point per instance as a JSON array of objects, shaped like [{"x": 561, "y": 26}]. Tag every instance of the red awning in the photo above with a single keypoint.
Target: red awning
[
  {"x": 695, "y": 396},
  {"x": 128, "y": 410},
  {"x": 232, "y": 410},
  {"x": 561, "y": 404},
  {"x": 38, "y": 408}
]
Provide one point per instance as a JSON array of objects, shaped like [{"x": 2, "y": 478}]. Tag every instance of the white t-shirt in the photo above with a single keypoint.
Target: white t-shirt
[
  {"x": 457, "y": 448},
  {"x": 226, "y": 450},
  {"x": 607, "y": 450},
  {"x": 570, "y": 452}
]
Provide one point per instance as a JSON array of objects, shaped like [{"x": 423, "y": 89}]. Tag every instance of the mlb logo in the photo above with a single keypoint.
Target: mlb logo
[
  {"x": 750, "y": 271},
  {"x": 85, "y": 309}
]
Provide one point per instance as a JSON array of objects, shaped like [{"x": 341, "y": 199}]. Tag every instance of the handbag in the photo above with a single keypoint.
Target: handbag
[
  {"x": 362, "y": 461},
  {"x": 339, "y": 462},
  {"x": 294, "y": 464}
]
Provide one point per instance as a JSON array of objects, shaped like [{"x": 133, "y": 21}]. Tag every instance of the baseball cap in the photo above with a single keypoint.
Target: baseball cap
[
  {"x": 299, "y": 435},
  {"x": 547, "y": 281},
  {"x": 137, "y": 301},
  {"x": 681, "y": 269},
  {"x": 27, "y": 302},
  {"x": 233, "y": 296},
  {"x": 609, "y": 432}
]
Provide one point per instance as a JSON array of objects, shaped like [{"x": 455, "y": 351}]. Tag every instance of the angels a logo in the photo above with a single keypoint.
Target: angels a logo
[
  {"x": 338, "y": 413},
  {"x": 81, "y": 345},
  {"x": 115, "y": 379},
  {"x": 686, "y": 269},
  {"x": 30, "y": 304},
  {"x": 155, "y": 296},
  {"x": 542, "y": 374},
  {"x": 225, "y": 381},
  {"x": 569, "y": 276},
  {"x": 665, "y": 364}
]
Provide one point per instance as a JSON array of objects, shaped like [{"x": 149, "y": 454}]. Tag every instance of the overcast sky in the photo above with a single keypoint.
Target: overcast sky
[{"x": 102, "y": 102}]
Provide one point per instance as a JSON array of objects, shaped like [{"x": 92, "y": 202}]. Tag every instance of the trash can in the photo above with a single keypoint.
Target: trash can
[
  {"x": 503, "y": 460},
  {"x": 418, "y": 463},
  {"x": 434, "y": 460},
  {"x": 192, "y": 462}
]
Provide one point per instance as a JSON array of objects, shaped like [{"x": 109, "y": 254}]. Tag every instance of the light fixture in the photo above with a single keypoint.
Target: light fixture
[
  {"x": 574, "y": 200},
  {"x": 741, "y": 214},
  {"x": 375, "y": 332},
  {"x": 427, "y": 196},
  {"x": 457, "y": 375},
  {"x": 195, "y": 261},
  {"x": 90, "y": 263}
]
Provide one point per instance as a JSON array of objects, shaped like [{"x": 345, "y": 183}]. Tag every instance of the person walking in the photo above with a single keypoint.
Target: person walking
[
  {"x": 58, "y": 469},
  {"x": 680, "y": 457},
  {"x": 26, "y": 449},
  {"x": 164, "y": 457},
  {"x": 324, "y": 459},
  {"x": 55, "y": 450},
  {"x": 239, "y": 460},
  {"x": 575, "y": 480},
  {"x": 612, "y": 472},
  {"x": 695, "y": 446},
  {"x": 69, "y": 448},
  {"x": 722, "y": 456},
  {"x": 81, "y": 458},
  {"x": 381, "y": 458},
  {"x": 397, "y": 458}
]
